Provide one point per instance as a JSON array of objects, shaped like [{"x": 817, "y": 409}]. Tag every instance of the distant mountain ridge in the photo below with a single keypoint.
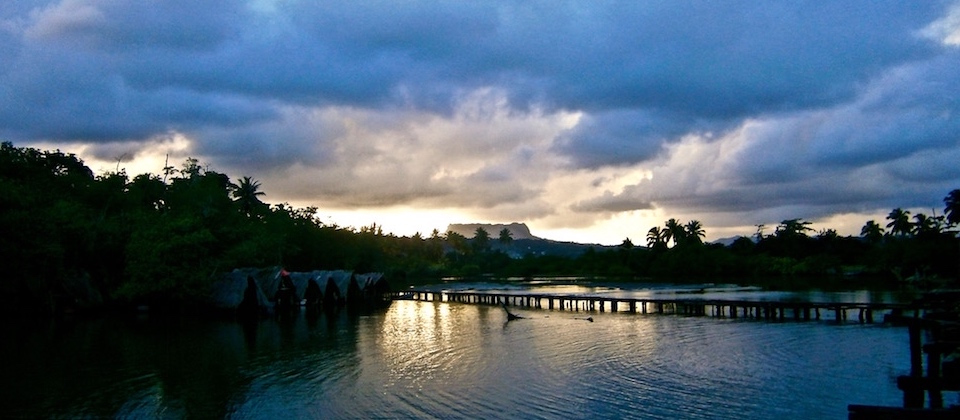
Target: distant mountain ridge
[
  {"x": 517, "y": 230},
  {"x": 524, "y": 242},
  {"x": 729, "y": 241}
]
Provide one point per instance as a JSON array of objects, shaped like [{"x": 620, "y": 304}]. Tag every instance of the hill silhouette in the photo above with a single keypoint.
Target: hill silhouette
[
  {"x": 524, "y": 242},
  {"x": 517, "y": 230}
]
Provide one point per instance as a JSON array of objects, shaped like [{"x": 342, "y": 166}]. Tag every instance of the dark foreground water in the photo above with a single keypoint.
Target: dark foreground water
[{"x": 449, "y": 360}]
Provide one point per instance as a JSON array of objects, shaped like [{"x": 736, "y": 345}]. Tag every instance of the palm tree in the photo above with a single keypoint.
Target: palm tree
[
  {"x": 872, "y": 232},
  {"x": 695, "y": 232},
  {"x": 899, "y": 222},
  {"x": 656, "y": 238},
  {"x": 506, "y": 237},
  {"x": 481, "y": 239},
  {"x": 675, "y": 231},
  {"x": 457, "y": 241},
  {"x": 246, "y": 194},
  {"x": 952, "y": 209},
  {"x": 925, "y": 225}
]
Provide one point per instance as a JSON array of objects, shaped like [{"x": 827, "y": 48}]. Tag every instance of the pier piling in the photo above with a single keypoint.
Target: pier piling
[{"x": 733, "y": 309}]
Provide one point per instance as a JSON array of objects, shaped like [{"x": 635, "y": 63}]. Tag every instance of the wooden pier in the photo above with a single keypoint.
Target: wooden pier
[
  {"x": 935, "y": 338},
  {"x": 767, "y": 310}
]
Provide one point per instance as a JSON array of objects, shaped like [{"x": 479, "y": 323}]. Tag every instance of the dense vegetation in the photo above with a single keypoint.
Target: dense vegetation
[{"x": 67, "y": 235}]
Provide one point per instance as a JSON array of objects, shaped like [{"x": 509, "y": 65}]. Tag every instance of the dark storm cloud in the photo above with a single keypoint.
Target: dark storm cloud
[
  {"x": 708, "y": 59},
  {"x": 624, "y": 137},
  {"x": 115, "y": 26},
  {"x": 732, "y": 105},
  {"x": 611, "y": 203}
]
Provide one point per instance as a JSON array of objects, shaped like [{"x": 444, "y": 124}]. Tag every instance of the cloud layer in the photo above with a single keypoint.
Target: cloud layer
[{"x": 568, "y": 115}]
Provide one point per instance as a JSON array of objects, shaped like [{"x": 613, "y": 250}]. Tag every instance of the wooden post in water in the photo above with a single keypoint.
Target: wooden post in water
[
  {"x": 933, "y": 372},
  {"x": 913, "y": 397}
]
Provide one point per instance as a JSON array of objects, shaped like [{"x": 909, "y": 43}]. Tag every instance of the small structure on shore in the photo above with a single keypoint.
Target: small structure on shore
[
  {"x": 261, "y": 289},
  {"x": 240, "y": 289}
]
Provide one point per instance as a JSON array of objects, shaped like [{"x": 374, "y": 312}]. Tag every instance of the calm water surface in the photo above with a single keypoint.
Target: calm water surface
[{"x": 450, "y": 360}]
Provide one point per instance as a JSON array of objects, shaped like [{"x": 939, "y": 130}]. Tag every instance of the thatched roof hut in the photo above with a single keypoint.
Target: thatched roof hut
[
  {"x": 235, "y": 288},
  {"x": 338, "y": 286}
]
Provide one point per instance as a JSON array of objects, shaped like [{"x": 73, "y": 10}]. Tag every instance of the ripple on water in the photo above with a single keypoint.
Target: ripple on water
[{"x": 449, "y": 360}]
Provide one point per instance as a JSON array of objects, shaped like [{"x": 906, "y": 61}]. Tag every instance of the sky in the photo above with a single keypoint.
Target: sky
[{"x": 590, "y": 121}]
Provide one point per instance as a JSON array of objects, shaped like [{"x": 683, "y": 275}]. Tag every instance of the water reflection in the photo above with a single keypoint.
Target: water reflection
[
  {"x": 449, "y": 360},
  {"x": 704, "y": 291}
]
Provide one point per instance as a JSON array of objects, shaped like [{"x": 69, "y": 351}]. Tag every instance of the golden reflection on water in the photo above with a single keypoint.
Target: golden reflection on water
[
  {"x": 413, "y": 338},
  {"x": 449, "y": 348}
]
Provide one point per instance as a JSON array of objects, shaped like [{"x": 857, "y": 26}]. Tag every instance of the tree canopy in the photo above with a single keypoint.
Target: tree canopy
[{"x": 68, "y": 235}]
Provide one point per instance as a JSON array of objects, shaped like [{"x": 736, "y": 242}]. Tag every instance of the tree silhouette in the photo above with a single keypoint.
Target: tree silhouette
[
  {"x": 793, "y": 228},
  {"x": 506, "y": 237},
  {"x": 694, "y": 232},
  {"x": 899, "y": 222},
  {"x": 926, "y": 225},
  {"x": 759, "y": 234},
  {"x": 481, "y": 239},
  {"x": 952, "y": 207},
  {"x": 160, "y": 241},
  {"x": 675, "y": 231},
  {"x": 872, "y": 232},
  {"x": 951, "y": 211},
  {"x": 247, "y": 195},
  {"x": 656, "y": 238}
]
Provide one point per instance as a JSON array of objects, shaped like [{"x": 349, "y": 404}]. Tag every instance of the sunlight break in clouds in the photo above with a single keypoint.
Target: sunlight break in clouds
[{"x": 590, "y": 121}]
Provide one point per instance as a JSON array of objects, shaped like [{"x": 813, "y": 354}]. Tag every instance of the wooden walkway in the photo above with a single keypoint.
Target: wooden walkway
[{"x": 768, "y": 310}]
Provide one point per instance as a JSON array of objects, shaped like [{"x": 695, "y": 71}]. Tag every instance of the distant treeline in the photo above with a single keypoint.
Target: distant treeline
[{"x": 69, "y": 239}]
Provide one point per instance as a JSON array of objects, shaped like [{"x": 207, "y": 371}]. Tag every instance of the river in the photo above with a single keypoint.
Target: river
[{"x": 453, "y": 360}]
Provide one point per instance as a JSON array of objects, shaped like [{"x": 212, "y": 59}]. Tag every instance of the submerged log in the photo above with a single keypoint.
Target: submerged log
[{"x": 510, "y": 315}]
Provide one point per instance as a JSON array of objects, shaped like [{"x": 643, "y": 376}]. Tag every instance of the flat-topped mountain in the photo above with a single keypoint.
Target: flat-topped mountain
[
  {"x": 523, "y": 241},
  {"x": 517, "y": 230}
]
